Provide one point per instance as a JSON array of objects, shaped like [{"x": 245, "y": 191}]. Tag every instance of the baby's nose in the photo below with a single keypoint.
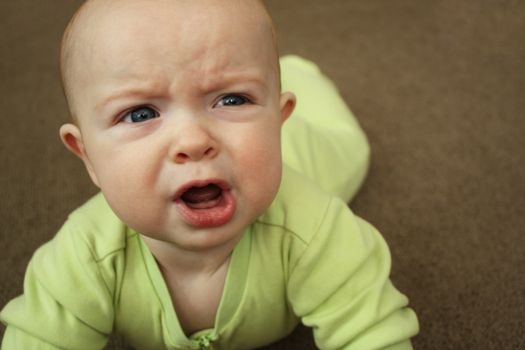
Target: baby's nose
[{"x": 193, "y": 142}]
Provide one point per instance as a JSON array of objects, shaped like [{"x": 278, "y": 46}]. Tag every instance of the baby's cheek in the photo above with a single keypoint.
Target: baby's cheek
[
  {"x": 261, "y": 173},
  {"x": 131, "y": 167},
  {"x": 128, "y": 180},
  {"x": 260, "y": 162},
  {"x": 139, "y": 211}
]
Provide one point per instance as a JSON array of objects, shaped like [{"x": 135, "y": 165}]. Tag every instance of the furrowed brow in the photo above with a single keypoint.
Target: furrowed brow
[{"x": 132, "y": 92}]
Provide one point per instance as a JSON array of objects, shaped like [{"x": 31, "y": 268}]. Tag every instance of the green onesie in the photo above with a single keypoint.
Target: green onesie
[{"x": 306, "y": 259}]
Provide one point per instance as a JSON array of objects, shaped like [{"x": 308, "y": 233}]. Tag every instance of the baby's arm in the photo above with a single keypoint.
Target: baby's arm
[
  {"x": 66, "y": 302},
  {"x": 341, "y": 288}
]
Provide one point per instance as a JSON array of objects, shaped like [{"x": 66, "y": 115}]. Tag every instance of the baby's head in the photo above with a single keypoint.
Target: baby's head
[{"x": 178, "y": 110}]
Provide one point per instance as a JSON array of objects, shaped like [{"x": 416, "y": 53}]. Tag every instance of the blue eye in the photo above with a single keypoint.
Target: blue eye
[
  {"x": 232, "y": 100},
  {"x": 141, "y": 114}
]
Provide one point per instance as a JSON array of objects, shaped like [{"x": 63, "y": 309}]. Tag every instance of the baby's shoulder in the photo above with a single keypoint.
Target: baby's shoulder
[
  {"x": 96, "y": 226},
  {"x": 300, "y": 207}
]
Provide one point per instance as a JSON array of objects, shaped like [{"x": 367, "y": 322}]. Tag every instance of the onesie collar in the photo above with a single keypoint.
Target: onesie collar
[{"x": 231, "y": 300}]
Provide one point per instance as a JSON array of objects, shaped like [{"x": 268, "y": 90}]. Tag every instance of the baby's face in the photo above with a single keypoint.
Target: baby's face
[{"x": 179, "y": 116}]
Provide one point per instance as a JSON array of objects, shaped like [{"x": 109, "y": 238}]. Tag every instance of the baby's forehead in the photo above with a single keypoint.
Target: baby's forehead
[
  {"x": 109, "y": 20},
  {"x": 181, "y": 30},
  {"x": 102, "y": 25},
  {"x": 196, "y": 12},
  {"x": 109, "y": 33},
  {"x": 103, "y": 19}
]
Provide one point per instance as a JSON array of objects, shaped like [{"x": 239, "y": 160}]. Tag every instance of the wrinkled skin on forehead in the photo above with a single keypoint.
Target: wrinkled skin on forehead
[{"x": 77, "y": 41}]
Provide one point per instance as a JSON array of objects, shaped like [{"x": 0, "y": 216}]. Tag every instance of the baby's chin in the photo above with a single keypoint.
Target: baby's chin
[
  {"x": 181, "y": 235},
  {"x": 201, "y": 240}
]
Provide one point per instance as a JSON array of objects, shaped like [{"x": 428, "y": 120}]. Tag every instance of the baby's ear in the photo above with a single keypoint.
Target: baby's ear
[
  {"x": 72, "y": 138},
  {"x": 287, "y": 105}
]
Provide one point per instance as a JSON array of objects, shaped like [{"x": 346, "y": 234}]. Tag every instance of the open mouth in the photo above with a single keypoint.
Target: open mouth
[
  {"x": 202, "y": 197},
  {"x": 205, "y": 203}
]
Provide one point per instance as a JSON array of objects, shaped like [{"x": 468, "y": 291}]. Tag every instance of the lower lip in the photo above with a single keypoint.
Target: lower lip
[{"x": 217, "y": 215}]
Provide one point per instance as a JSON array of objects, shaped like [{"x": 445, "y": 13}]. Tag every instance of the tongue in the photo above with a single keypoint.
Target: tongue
[{"x": 201, "y": 194}]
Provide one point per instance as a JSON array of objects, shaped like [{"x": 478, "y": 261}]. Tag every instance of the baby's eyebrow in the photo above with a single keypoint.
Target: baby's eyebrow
[
  {"x": 219, "y": 82},
  {"x": 132, "y": 92},
  {"x": 246, "y": 86},
  {"x": 225, "y": 81}
]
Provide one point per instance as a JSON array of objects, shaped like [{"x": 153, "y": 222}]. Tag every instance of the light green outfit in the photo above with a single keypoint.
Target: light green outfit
[
  {"x": 322, "y": 139},
  {"x": 307, "y": 258}
]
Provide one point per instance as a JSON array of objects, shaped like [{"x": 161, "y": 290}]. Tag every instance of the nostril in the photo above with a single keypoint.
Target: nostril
[
  {"x": 209, "y": 151},
  {"x": 182, "y": 156},
  {"x": 195, "y": 154}
]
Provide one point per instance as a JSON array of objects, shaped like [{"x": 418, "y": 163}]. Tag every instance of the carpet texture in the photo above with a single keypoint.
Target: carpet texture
[{"x": 438, "y": 86}]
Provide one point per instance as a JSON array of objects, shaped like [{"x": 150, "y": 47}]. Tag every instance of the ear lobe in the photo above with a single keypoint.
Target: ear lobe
[
  {"x": 72, "y": 138},
  {"x": 287, "y": 105}
]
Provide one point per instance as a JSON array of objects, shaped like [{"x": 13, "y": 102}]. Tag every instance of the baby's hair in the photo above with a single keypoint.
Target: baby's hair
[{"x": 67, "y": 50}]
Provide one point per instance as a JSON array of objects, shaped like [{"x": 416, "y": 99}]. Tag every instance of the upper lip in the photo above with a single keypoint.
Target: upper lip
[{"x": 200, "y": 183}]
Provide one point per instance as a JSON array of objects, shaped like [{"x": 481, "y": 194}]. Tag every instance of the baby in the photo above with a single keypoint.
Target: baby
[{"x": 201, "y": 238}]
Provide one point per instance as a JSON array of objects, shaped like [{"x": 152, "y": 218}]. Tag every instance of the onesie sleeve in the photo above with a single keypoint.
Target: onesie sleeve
[
  {"x": 67, "y": 304},
  {"x": 340, "y": 287}
]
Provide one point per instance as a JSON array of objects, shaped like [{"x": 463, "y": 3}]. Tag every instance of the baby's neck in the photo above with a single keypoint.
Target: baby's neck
[
  {"x": 189, "y": 262},
  {"x": 195, "y": 281}
]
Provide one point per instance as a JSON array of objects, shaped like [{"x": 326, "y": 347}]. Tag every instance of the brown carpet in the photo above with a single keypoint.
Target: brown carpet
[{"x": 439, "y": 87}]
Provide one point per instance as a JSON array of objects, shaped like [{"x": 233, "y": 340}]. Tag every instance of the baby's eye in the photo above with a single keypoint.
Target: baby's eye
[
  {"x": 232, "y": 100},
  {"x": 140, "y": 114}
]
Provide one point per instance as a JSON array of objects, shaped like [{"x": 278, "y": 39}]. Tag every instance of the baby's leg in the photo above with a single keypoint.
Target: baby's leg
[{"x": 322, "y": 139}]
